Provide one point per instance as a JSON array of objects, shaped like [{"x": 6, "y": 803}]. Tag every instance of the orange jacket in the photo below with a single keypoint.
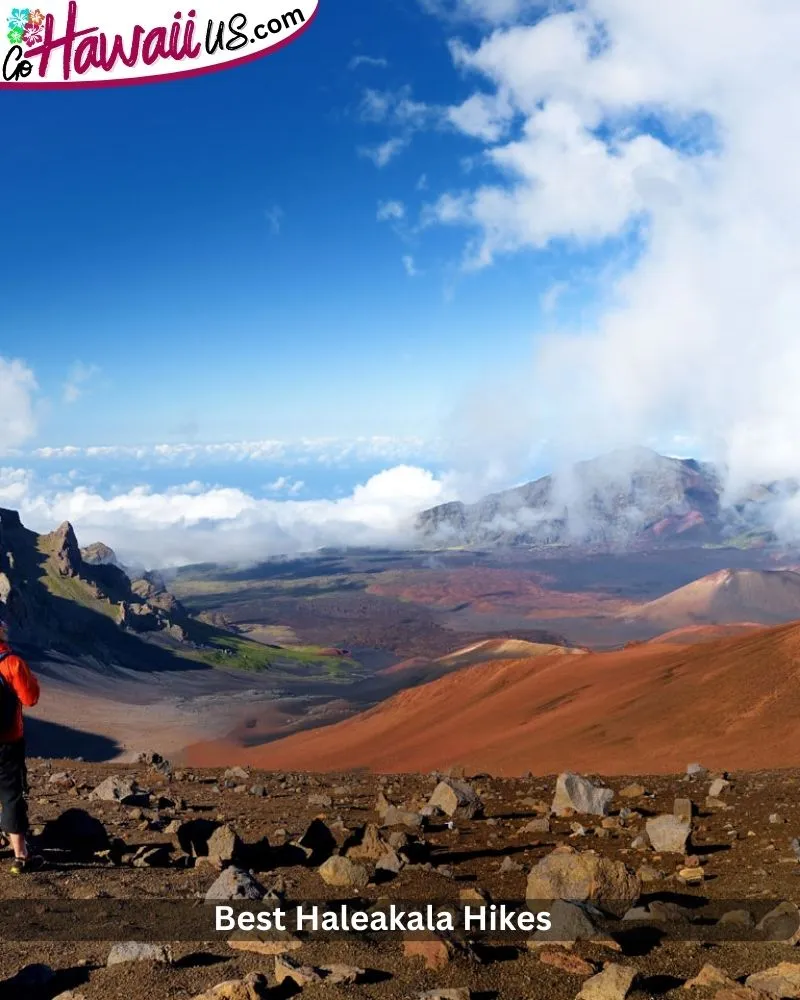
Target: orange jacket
[{"x": 18, "y": 676}]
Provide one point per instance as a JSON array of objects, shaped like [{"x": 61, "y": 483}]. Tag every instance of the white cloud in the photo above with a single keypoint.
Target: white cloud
[
  {"x": 79, "y": 376},
  {"x": 551, "y": 298},
  {"x": 17, "y": 414},
  {"x": 410, "y": 266},
  {"x": 378, "y": 62},
  {"x": 386, "y": 151},
  {"x": 673, "y": 128},
  {"x": 323, "y": 451},
  {"x": 285, "y": 484},
  {"x": 375, "y": 105},
  {"x": 396, "y": 109},
  {"x": 491, "y": 11},
  {"x": 391, "y": 210},
  {"x": 195, "y": 524},
  {"x": 483, "y": 116}
]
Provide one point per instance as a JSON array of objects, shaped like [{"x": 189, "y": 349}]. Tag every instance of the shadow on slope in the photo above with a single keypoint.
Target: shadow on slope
[
  {"x": 53, "y": 610},
  {"x": 48, "y": 739}
]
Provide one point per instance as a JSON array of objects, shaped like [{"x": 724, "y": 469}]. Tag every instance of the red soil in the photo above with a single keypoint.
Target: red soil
[
  {"x": 653, "y": 708},
  {"x": 490, "y": 590},
  {"x": 691, "y": 634},
  {"x": 728, "y": 596}
]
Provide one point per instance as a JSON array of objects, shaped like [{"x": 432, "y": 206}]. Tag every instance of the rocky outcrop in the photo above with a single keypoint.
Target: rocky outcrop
[
  {"x": 65, "y": 552},
  {"x": 99, "y": 554},
  {"x": 52, "y": 591}
]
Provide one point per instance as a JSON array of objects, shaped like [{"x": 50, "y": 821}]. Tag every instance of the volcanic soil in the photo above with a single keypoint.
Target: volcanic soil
[
  {"x": 733, "y": 702},
  {"x": 740, "y": 845}
]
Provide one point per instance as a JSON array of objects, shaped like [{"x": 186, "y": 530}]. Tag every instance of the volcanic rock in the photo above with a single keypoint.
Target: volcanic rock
[
  {"x": 300, "y": 975},
  {"x": 266, "y": 944},
  {"x": 566, "y": 962},
  {"x": 668, "y": 834},
  {"x": 539, "y": 825},
  {"x": 65, "y": 551},
  {"x": 613, "y": 983},
  {"x": 395, "y": 816},
  {"x": 254, "y": 986},
  {"x": 235, "y": 883},
  {"x": 570, "y": 922},
  {"x": 340, "y": 974},
  {"x": 341, "y": 871},
  {"x": 584, "y": 877},
  {"x": 223, "y": 846},
  {"x": 575, "y": 794},
  {"x": 710, "y": 975},
  {"x": 139, "y": 951},
  {"x": 782, "y": 980},
  {"x": 435, "y": 952},
  {"x": 456, "y": 799},
  {"x": 116, "y": 789},
  {"x": 781, "y": 923},
  {"x": 371, "y": 845}
]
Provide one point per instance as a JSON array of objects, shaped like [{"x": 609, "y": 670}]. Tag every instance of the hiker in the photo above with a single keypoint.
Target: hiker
[{"x": 18, "y": 687}]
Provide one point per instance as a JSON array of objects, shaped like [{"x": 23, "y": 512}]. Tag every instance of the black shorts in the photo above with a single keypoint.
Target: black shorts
[{"x": 13, "y": 787}]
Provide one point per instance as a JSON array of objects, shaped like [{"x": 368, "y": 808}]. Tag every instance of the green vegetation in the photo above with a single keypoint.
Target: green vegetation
[
  {"x": 243, "y": 654},
  {"x": 72, "y": 588}
]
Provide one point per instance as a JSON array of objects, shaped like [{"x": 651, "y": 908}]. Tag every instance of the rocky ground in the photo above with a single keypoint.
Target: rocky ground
[{"x": 672, "y": 855}]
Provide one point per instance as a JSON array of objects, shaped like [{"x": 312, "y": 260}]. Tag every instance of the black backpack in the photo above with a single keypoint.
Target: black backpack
[{"x": 9, "y": 702}]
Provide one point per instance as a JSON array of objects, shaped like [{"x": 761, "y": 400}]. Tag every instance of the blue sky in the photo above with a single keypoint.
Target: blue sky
[
  {"x": 430, "y": 248},
  {"x": 209, "y": 251}
]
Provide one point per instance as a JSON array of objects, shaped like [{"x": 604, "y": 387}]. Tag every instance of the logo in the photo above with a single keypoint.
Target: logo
[{"x": 93, "y": 43}]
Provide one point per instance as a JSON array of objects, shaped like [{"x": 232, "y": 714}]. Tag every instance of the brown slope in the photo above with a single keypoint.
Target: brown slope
[
  {"x": 740, "y": 595},
  {"x": 420, "y": 670},
  {"x": 733, "y": 703},
  {"x": 688, "y": 635}
]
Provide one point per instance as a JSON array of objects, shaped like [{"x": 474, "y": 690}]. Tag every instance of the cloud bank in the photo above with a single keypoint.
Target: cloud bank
[
  {"x": 17, "y": 404},
  {"x": 671, "y": 132},
  {"x": 322, "y": 451},
  {"x": 193, "y": 523}
]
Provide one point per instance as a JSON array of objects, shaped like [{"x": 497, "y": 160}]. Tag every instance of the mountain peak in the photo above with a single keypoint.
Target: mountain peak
[
  {"x": 65, "y": 551},
  {"x": 630, "y": 497}
]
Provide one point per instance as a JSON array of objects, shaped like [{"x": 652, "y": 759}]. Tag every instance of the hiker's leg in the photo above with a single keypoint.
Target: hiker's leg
[
  {"x": 12, "y": 795},
  {"x": 19, "y": 844}
]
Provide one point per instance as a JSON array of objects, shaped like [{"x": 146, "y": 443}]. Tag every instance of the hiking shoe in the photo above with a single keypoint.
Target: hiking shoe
[{"x": 24, "y": 866}]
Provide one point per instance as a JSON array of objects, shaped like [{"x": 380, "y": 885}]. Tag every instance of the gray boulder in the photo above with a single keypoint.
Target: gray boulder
[
  {"x": 140, "y": 951},
  {"x": 575, "y": 794},
  {"x": 613, "y": 983},
  {"x": 116, "y": 789},
  {"x": 668, "y": 834},
  {"x": 235, "y": 883},
  {"x": 456, "y": 799}
]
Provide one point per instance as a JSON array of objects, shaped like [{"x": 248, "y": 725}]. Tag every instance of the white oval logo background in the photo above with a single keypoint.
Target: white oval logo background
[{"x": 95, "y": 43}]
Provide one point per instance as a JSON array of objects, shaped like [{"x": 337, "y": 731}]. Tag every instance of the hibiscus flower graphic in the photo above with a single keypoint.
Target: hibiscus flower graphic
[
  {"x": 15, "y": 36},
  {"x": 36, "y": 17},
  {"x": 33, "y": 34},
  {"x": 19, "y": 18}
]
